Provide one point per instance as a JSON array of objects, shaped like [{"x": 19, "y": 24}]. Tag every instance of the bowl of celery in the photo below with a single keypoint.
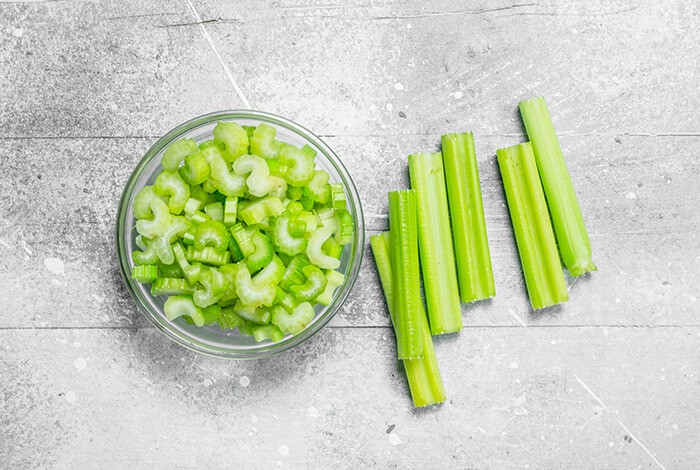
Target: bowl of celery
[{"x": 240, "y": 234}]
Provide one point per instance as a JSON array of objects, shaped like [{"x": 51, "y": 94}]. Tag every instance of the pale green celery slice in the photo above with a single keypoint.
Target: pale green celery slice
[{"x": 543, "y": 272}]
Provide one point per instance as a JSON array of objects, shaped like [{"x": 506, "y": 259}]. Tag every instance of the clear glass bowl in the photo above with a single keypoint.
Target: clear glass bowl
[{"x": 212, "y": 340}]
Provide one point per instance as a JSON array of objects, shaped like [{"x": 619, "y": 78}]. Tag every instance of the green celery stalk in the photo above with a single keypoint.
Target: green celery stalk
[
  {"x": 435, "y": 243},
  {"x": 406, "y": 280},
  {"x": 424, "y": 380},
  {"x": 570, "y": 229},
  {"x": 467, "y": 212},
  {"x": 544, "y": 276}
]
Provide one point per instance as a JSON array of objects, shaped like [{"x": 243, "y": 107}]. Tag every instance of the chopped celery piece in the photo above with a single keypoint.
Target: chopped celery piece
[
  {"x": 142, "y": 203},
  {"x": 160, "y": 221},
  {"x": 295, "y": 322},
  {"x": 144, "y": 273},
  {"x": 259, "y": 182},
  {"x": 314, "y": 285},
  {"x": 294, "y": 193},
  {"x": 243, "y": 239},
  {"x": 222, "y": 179},
  {"x": 199, "y": 217},
  {"x": 193, "y": 205},
  {"x": 256, "y": 211},
  {"x": 190, "y": 271},
  {"x": 230, "y": 210},
  {"x": 211, "y": 314},
  {"x": 147, "y": 255},
  {"x": 282, "y": 238},
  {"x": 235, "y": 139},
  {"x": 294, "y": 207},
  {"x": 424, "y": 380},
  {"x": 318, "y": 189},
  {"x": 228, "y": 319},
  {"x": 294, "y": 274},
  {"x": 567, "y": 219},
  {"x": 286, "y": 300},
  {"x": 544, "y": 276},
  {"x": 326, "y": 217},
  {"x": 315, "y": 253},
  {"x": 334, "y": 279},
  {"x": 346, "y": 227},
  {"x": 264, "y": 332},
  {"x": 215, "y": 210},
  {"x": 213, "y": 284},
  {"x": 263, "y": 251},
  {"x": 277, "y": 168},
  {"x": 188, "y": 236},
  {"x": 212, "y": 143},
  {"x": 170, "y": 270},
  {"x": 258, "y": 316},
  {"x": 195, "y": 170},
  {"x": 474, "y": 270},
  {"x": 332, "y": 248},
  {"x": 208, "y": 256},
  {"x": 300, "y": 162},
  {"x": 272, "y": 273},
  {"x": 200, "y": 194},
  {"x": 338, "y": 200},
  {"x": 246, "y": 329},
  {"x": 306, "y": 202},
  {"x": 176, "y": 153},
  {"x": 162, "y": 244},
  {"x": 211, "y": 233},
  {"x": 179, "y": 305},
  {"x": 171, "y": 286},
  {"x": 251, "y": 293},
  {"x": 263, "y": 142},
  {"x": 406, "y": 281},
  {"x": 437, "y": 258}
]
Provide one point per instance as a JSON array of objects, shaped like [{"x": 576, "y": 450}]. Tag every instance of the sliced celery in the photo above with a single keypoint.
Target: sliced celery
[
  {"x": 294, "y": 273},
  {"x": 211, "y": 233},
  {"x": 346, "y": 227},
  {"x": 406, "y": 281},
  {"x": 243, "y": 239},
  {"x": 567, "y": 219},
  {"x": 286, "y": 300},
  {"x": 213, "y": 284},
  {"x": 177, "y": 152},
  {"x": 259, "y": 182},
  {"x": 207, "y": 256},
  {"x": 318, "y": 188},
  {"x": 263, "y": 142},
  {"x": 544, "y": 276},
  {"x": 295, "y": 322},
  {"x": 332, "y": 248},
  {"x": 256, "y": 211},
  {"x": 222, "y": 179},
  {"x": 228, "y": 319},
  {"x": 179, "y": 305},
  {"x": 250, "y": 292},
  {"x": 160, "y": 221},
  {"x": 300, "y": 162},
  {"x": 316, "y": 254},
  {"x": 190, "y": 271},
  {"x": 263, "y": 253},
  {"x": 424, "y": 380},
  {"x": 334, "y": 279},
  {"x": 195, "y": 170},
  {"x": 162, "y": 244},
  {"x": 144, "y": 273},
  {"x": 264, "y": 332},
  {"x": 435, "y": 243},
  {"x": 142, "y": 203},
  {"x": 193, "y": 205},
  {"x": 171, "y": 286},
  {"x": 215, "y": 210},
  {"x": 467, "y": 213},
  {"x": 230, "y": 210},
  {"x": 282, "y": 239},
  {"x": 314, "y": 285},
  {"x": 338, "y": 199},
  {"x": 235, "y": 139}
]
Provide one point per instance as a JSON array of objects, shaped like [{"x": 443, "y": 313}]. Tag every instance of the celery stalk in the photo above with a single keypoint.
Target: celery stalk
[
  {"x": 544, "y": 276},
  {"x": 570, "y": 229},
  {"x": 424, "y": 380},
  {"x": 406, "y": 280},
  {"x": 467, "y": 212},
  {"x": 437, "y": 258}
]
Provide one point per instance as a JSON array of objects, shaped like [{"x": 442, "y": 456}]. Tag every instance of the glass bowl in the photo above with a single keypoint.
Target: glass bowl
[{"x": 211, "y": 339}]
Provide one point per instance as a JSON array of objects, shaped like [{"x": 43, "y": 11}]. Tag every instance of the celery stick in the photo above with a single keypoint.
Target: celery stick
[
  {"x": 437, "y": 258},
  {"x": 406, "y": 281},
  {"x": 570, "y": 229},
  {"x": 423, "y": 374},
  {"x": 544, "y": 276},
  {"x": 467, "y": 212}
]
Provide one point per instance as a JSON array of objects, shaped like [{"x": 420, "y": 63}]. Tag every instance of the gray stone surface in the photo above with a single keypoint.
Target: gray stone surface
[{"x": 610, "y": 380}]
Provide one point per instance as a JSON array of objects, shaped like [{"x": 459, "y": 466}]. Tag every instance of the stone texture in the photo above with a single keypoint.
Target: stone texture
[{"x": 607, "y": 381}]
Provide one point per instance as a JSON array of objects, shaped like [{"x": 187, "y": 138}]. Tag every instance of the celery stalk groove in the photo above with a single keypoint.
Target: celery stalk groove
[
  {"x": 474, "y": 266},
  {"x": 423, "y": 375},
  {"x": 437, "y": 259},
  {"x": 543, "y": 272},
  {"x": 570, "y": 229}
]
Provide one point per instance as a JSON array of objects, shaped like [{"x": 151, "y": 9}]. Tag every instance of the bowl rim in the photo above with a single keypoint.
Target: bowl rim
[{"x": 157, "y": 319}]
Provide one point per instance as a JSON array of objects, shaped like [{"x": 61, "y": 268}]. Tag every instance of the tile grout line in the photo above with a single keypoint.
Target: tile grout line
[
  {"x": 605, "y": 407},
  {"x": 206, "y": 35}
]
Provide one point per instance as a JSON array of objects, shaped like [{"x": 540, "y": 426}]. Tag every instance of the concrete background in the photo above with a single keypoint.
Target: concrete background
[{"x": 609, "y": 380}]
